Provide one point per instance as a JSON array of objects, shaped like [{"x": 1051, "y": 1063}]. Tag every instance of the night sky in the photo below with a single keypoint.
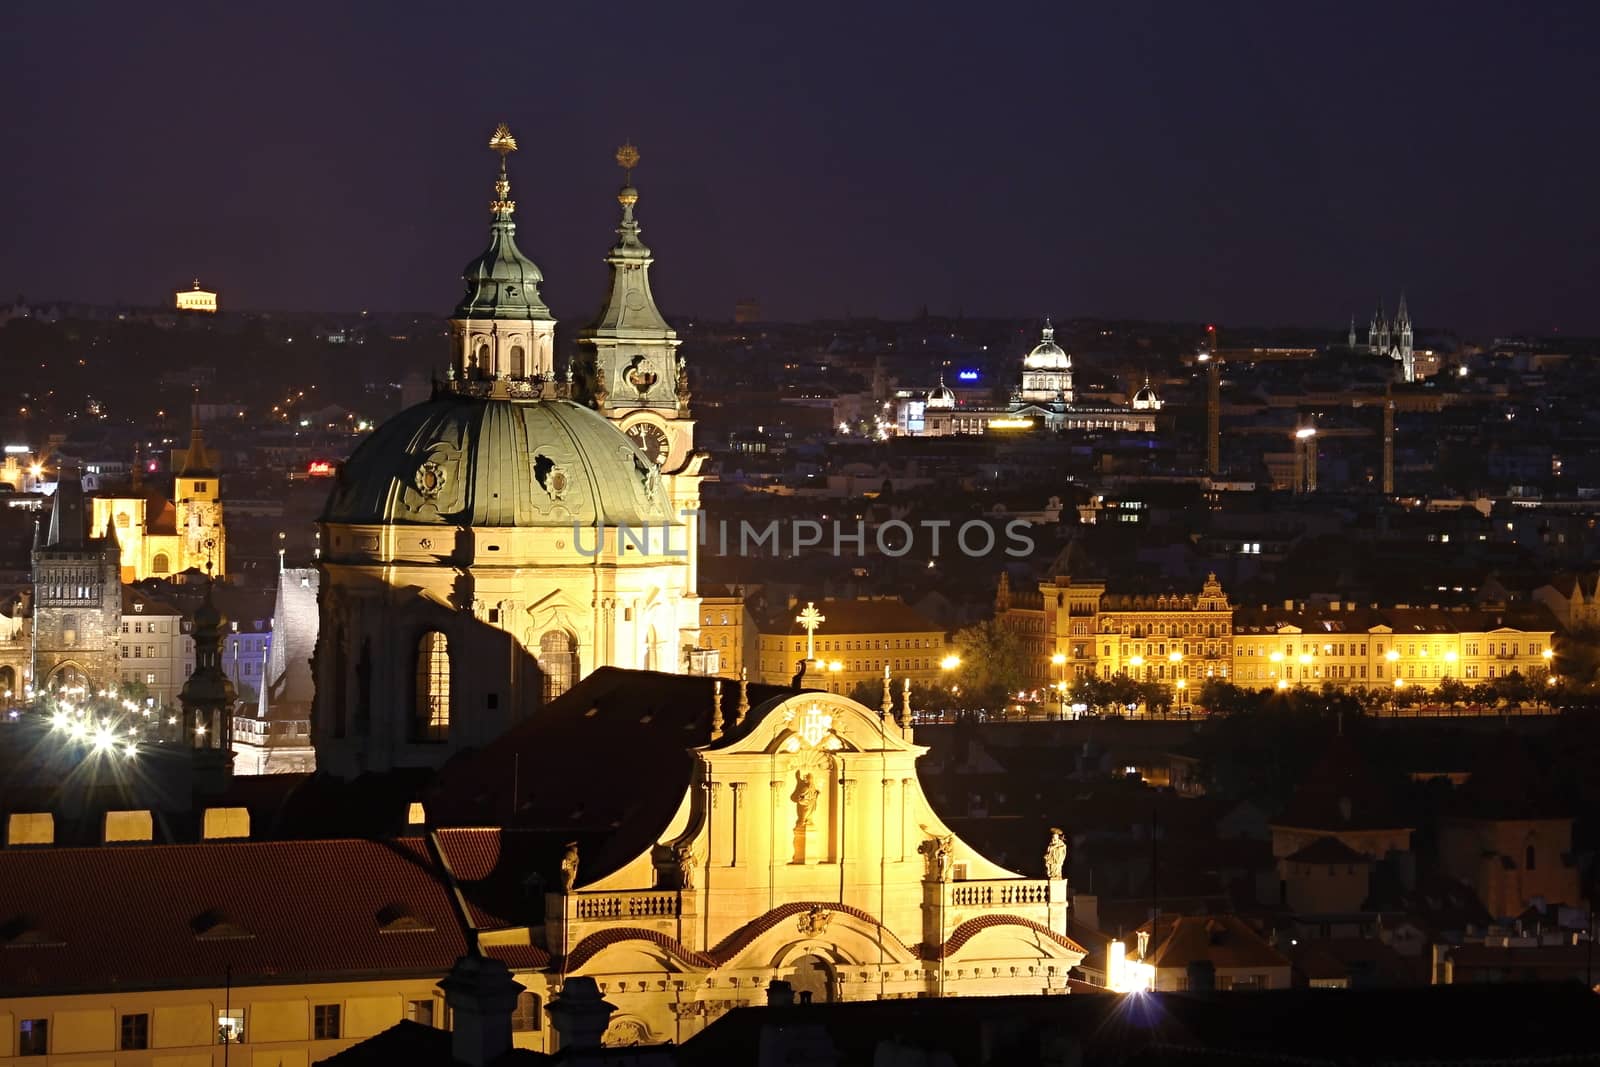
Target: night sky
[{"x": 1266, "y": 163}]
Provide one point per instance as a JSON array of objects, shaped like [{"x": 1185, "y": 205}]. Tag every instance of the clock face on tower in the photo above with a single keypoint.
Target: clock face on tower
[{"x": 652, "y": 440}]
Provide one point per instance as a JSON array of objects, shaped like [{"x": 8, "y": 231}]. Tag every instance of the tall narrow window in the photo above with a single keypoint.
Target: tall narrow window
[
  {"x": 558, "y": 659},
  {"x": 433, "y": 687},
  {"x": 518, "y": 362}
]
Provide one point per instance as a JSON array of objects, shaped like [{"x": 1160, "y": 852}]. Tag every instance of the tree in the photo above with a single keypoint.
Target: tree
[{"x": 993, "y": 663}]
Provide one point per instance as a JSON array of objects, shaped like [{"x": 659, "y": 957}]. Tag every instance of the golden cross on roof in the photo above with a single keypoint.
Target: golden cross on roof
[{"x": 809, "y": 620}]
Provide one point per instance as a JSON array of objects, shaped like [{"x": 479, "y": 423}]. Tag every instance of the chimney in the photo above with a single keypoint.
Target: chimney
[
  {"x": 1202, "y": 976},
  {"x": 481, "y": 995},
  {"x": 123, "y": 826},
  {"x": 224, "y": 823},
  {"x": 579, "y": 1015},
  {"x": 31, "y": 828},
  {"x": 780, "y": 994}
]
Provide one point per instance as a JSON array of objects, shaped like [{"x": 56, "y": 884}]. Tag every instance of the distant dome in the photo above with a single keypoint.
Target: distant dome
[
  {"x": 1047, "y": 355},
  {"x": 941, "y": 397},
  {"x": 474, "y": 461},
  {"x": 1145, "y": 398}
]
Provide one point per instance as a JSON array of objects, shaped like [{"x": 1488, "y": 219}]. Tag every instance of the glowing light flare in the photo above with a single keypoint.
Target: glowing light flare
[{"x": 950, "y": 663}]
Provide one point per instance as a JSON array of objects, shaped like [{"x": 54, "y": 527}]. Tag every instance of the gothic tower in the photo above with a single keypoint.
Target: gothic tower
[
  {"x": 502, "y": 328},
  {"x": 77, "y": 614},
  {"x": 197, "y": 495},
  {"x": 1402, "y": 342},
  {"x": 207, "y": 699}
]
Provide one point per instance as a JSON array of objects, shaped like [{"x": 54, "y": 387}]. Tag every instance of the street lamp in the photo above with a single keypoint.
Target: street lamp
[{"x": 1059, "y": 661}]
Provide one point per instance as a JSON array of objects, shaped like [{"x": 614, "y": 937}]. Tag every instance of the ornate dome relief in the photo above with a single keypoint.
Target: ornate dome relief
[{"x": 472, "y": 461}]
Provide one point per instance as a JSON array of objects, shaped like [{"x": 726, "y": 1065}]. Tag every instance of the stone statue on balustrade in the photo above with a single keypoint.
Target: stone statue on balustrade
[
  {"x": 683, "y": 854},
  {"x": 940, "y": 852},
  {"x": 569, "y": 867},
  {"x": 1055, "y": 854}
]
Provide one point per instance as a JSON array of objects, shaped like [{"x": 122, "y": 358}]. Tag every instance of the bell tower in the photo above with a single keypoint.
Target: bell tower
[
  {"x": 197, "y": 495},
  {"x": 631, "y": 367},
  {"x": 502, "y": 329}
]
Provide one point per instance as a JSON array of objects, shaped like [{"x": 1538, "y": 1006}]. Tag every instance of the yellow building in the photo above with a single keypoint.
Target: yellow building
[
  {"x": 851, "y": 642},
  {"x": 298, "y": 949},
  {"x": 1352, "y": 647},
  {"x": 161, "y": 537},
  {"x": 725, "y": 627},
  {"x": 196, "y": 299},
  {"x": 1074, "y": 629}
]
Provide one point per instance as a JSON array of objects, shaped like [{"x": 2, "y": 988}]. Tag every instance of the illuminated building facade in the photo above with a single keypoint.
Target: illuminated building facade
[
  {"x": 1178, "y": 639},
  {"x": 1353, "y": 647},
  {"x": 196, "y": 299},
  {"x": 1043, "y": 399},
  {"x": 853, "y": 642},
  {"x": 159, "y": 537}
]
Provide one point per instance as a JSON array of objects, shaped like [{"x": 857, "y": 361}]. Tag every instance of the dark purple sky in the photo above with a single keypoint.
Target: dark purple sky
[{"x": 1261, "y": 163}]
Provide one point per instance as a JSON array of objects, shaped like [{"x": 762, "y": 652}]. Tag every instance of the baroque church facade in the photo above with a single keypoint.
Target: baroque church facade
[
  {"x": 159, "y": 538},
  {"x": 486, "y": 549},
  {"x": 758, "y": 836}
]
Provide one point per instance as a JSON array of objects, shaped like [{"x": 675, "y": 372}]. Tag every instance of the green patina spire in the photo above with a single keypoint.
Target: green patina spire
[{"x": 502, "y": 283}]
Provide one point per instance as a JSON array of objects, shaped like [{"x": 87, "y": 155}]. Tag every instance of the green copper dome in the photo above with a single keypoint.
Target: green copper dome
[
  {"x": 502, "y": 283},
  {"x": 490, "y": 461}
]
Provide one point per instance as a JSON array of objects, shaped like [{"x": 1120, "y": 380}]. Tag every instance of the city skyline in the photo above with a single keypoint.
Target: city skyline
[{"x": 1158, "y": 163}]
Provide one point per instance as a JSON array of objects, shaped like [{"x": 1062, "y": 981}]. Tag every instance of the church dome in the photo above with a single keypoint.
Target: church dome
[
  {"x": 1145, "y": 398},
  {"x": 941, "y": 397},
  {"x": 461, "y": 460},
  {"x": 1047, "y": 355}
]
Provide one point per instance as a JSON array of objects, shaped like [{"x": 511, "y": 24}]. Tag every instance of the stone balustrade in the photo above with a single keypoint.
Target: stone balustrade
[
  {"x": 999, "y": 893},
  {"x": 584, "y": 907}
]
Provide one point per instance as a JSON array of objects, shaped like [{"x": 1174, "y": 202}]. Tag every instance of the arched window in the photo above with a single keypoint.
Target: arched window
[
  {"x": 518, "y": 362},
  {"x": 433, "y": 687},
  {"x": 69, "y": 630},
  {"x": 1529, "y": 856},
  {"x": 8, "y": 680},
  {"x": 160, "y": 564},
  {"x": 122, "y": 520},
  {"x": 481, "y": 359},
  {"x": 526, "y": 1016},
  {"x": 558, "y": 659}
]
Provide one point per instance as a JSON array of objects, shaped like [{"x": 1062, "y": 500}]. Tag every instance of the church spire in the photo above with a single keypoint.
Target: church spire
[
  {"x": 197, "y": 460},
  {"x": 634, "y": 362},
  {"x": 502, "y": 283}
]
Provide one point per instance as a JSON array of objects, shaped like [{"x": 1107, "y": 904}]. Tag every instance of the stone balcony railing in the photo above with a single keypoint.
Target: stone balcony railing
[
  {"x": 645, "y": 904},
  {"x": 999, "y": 893}
]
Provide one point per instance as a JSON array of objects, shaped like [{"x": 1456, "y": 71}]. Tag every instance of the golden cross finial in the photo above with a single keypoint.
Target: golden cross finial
[
  {"x": 501, "y": 141},
  {"x": 627, "y": 159}
]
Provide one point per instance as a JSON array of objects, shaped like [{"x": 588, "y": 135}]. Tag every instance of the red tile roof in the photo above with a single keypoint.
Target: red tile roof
[
  {"x": 736, "y": 942},
  {"x": 1326, "y": 851},
  {"x": 972, "y": 927},
  {"x": 867, "y": 615},
  {"x": 1224, "y": 940},
  {"x": 179, "y": 916},
  {"x": 591, "y": 946}
]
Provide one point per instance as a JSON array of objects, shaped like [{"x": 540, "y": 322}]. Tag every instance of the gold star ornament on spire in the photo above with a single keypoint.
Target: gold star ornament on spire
[
  {"x": 501, "y": 141},
  {"x": 627, "y": 159}
]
